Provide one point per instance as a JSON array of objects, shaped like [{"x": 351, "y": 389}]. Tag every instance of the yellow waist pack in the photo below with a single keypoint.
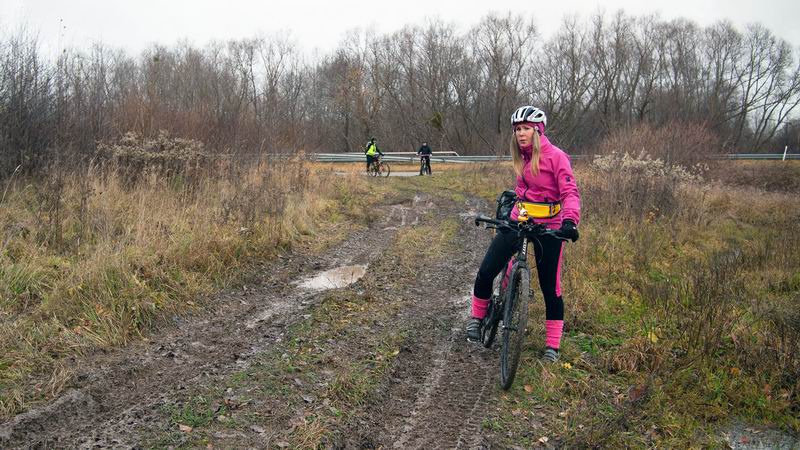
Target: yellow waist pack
[{"x": 535, "y": 210}]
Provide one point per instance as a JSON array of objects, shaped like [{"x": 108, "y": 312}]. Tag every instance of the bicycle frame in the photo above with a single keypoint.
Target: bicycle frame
[
  {"x": 511, "y": 306},
  {"x": 378, "y": 167}
]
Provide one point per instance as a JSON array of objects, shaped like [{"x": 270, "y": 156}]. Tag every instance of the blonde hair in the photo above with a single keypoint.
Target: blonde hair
[{"x": 516, "y": 155}]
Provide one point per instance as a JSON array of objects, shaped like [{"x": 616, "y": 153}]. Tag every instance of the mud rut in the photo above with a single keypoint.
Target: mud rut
[{"x": 437, "y": 394}]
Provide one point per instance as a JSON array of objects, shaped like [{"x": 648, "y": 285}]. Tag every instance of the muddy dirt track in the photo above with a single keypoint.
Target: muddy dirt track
[{"x": 236, "y": 376}]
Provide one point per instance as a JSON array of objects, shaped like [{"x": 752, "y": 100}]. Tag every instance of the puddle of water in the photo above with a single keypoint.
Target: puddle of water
[
  {"x": 330, "y": 279},
  {"x": 334, "y": 278}
]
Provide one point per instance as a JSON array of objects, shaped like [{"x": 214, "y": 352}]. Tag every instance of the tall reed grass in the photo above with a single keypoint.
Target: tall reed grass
[{"x": 93, "y": 259}]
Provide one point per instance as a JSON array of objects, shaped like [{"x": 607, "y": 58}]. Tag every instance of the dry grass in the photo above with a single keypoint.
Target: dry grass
[
  {"x": 773, "y": 176},
  {"x": 680, "y": 296},
  {"x": 93, "y": 260}
]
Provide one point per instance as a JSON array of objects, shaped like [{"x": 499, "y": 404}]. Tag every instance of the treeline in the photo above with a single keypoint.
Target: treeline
[{"x": 435, "y": 82}]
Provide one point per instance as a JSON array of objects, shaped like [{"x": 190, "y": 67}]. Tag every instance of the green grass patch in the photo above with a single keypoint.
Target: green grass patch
[{"x": 197, "y": 412}]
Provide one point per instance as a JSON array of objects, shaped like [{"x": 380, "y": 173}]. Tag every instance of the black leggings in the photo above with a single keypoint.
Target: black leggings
[{"x": 547, "y": 250}]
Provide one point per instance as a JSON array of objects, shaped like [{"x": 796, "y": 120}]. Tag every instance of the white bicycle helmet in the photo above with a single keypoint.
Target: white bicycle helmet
[{"x": 528, "y": 114}]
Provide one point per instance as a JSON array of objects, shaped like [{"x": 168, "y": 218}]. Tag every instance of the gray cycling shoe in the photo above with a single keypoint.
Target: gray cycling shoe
[
  {"x": 474, "y": 330},
  {"x": 550, "y": 355}
]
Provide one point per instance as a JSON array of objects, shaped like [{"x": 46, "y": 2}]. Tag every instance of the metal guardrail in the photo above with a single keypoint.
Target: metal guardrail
[
  {"x": 443, "y": 157},
  {"x": 760, "y": 156},
  {"x": 453, "y": 157}
]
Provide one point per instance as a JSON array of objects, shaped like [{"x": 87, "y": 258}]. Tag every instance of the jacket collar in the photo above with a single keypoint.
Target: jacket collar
[{"x": 544, "y": 145}]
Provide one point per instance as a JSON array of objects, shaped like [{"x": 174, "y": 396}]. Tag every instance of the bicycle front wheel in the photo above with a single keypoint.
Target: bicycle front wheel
[
  {"x": 515, "y": 321},
  {"x": 384, "y": 170}
]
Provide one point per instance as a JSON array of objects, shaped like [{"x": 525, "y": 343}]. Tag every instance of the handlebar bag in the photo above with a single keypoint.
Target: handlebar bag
[{"x": 505, "y": 203}]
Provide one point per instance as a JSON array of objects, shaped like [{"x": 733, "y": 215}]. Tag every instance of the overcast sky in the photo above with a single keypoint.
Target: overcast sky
[{"x": 319, "y": 24}]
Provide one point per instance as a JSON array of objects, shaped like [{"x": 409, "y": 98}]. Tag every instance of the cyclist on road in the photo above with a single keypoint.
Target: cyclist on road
[
  {"x": 425, "y": 153},
  {"x": 544, "y": 176},
  {"x": 370, "y": 150}
]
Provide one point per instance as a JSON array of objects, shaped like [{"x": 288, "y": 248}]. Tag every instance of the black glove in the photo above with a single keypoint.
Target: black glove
[{"x": 569, "y": 230}]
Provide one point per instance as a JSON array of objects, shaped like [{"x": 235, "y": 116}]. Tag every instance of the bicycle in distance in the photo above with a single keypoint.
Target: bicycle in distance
[
  {"x": 379, "y": 168},
  {"x": 511, "y": 296},
  {"x": 425, "y": 164}
]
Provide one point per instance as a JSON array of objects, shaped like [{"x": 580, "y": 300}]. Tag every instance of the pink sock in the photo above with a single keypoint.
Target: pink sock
[
  {"x": 553, "y": 329},
  {"x": 479, "y": 307}
]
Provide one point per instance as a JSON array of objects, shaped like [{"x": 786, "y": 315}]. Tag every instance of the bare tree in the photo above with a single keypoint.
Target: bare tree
[
  {"x": 424, "y": 82},
  {"x": 502, "y": 46}
]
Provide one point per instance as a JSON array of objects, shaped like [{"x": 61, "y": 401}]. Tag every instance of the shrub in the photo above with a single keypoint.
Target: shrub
[
  {"x": 638, "y": 187},
  {"x": 676, "y": 143},
  {"x": 133, "y": 156}
]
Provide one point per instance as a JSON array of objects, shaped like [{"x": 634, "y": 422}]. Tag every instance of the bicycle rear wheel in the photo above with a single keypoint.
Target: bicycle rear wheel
[
  {"x": 515, "y": 321},
  {"x": 384, "y": 170}
]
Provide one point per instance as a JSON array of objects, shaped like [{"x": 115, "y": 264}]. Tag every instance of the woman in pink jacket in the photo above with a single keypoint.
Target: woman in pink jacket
[{"x": 544, "y": 176}]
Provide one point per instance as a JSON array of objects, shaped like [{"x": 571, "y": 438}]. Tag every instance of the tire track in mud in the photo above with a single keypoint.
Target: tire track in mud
[
  {"x": 447, "y": 411},
  {"x": 433, "y": 398},
  {"x": 439, "y": 392},
  {"x": 116, "y": 395}
]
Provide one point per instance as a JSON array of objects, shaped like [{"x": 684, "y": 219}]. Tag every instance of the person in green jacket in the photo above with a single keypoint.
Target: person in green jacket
[{"x": 371, "y": 150}]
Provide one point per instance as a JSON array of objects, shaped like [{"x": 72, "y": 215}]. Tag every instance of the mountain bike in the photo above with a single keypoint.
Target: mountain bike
[
  {"x": 379, "y": 168},
  {"x": 511, "y": 296},
  {"x": 425, "y": 164}
]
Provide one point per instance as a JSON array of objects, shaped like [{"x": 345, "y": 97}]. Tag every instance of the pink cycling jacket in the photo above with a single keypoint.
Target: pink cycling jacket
[{"x": 555, "y": 183}]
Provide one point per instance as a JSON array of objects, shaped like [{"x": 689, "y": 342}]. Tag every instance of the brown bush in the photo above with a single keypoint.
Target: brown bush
[
  {"x": 634, "y": 187},
  {"x": 676, "y": 143},
  {"x": 132, "y": 156}
]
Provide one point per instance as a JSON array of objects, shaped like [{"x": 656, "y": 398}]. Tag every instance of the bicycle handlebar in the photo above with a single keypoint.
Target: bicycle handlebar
[{"x": 530, "y": 228}]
